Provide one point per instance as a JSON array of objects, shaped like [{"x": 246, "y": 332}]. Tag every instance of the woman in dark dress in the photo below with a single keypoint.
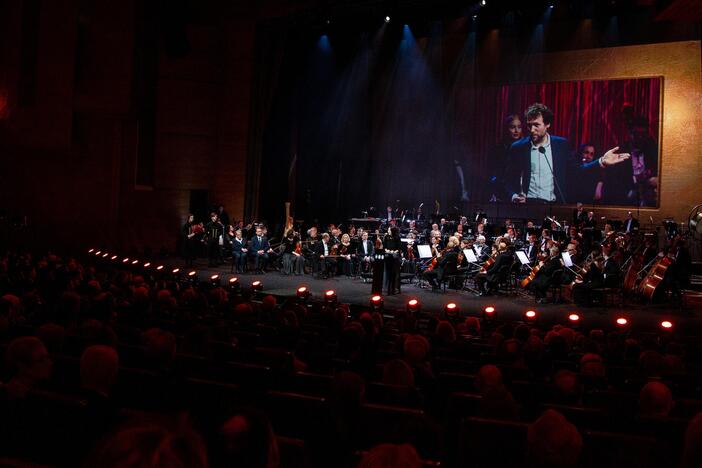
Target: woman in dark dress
[{"x": 393, "y": 246}]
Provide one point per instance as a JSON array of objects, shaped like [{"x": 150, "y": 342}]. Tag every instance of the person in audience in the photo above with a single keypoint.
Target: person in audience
[
  {"x": 553, "y": 442},
  {"x": 391, "y": 456},
  {"x": 99, "y": 365},
  {"x": 248, "y": 441},
  {"x": 154, "y": 446},
  {"x": 488, "y": 377},
  {"x": 655, "y": 400},
  {"x": 566, "y": 388},
  {"x": 692, "y": 453},
  {"x": 30, "y": 364}
]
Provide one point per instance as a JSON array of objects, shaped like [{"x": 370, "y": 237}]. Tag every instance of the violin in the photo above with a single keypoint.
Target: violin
[{"x": 492, "y": 259}]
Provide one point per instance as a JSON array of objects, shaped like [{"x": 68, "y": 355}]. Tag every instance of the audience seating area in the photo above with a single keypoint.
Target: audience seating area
[{"x": 264, "y": 381}]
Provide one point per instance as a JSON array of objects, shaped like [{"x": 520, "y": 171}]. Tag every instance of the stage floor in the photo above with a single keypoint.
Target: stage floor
[{"x": 643, "y": 317}]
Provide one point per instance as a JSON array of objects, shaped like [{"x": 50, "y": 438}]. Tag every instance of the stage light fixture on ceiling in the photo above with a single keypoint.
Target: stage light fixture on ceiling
[{"x": 414, "y": 306}]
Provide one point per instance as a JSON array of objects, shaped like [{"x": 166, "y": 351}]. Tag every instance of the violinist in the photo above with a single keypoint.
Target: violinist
[
  {"x": 393, "y": 247},
  {"x": 345, "y": 255},
  {"x": 488, "y": 280},
  {"x": 545, "y": 242},
  {"x": 214, "y": 230},
  {"x": 482, "y": 252},
  {"x": 293, "y": 261},
  {"x": 446, "y": 264},
  {"x": 326, "y": 253},
  {"x": 611, "y": 270},
  {"x": 189, "y": 240},
  {"x": 365, "y": 252},
  {"x": 532, "y": 249},
  {"x": 546, "y": 276},
  {"x": 410, "y": 253}
]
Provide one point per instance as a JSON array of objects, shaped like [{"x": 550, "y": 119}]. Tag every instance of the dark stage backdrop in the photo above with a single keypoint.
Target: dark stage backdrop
[{"x": 359, "y": 121}]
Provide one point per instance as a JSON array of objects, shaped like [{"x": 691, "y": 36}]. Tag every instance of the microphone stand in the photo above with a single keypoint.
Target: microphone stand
[{"x": 542, "y": 150}]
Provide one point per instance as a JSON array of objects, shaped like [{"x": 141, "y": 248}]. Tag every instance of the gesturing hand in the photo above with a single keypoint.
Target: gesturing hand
[{"x": 611, "y": 157}]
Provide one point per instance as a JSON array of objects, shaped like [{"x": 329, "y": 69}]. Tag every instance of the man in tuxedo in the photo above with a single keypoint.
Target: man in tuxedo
[
  {"x": 579, "y": 215},
  {"x": 239, "y": 251},
  {"x": 541, "y": 167},
  {"x": 631, "y": 224},
  {"x": 546, "y": 275},
  {"x": 446, "y": 265},
  {"x": 480, "y": 249},
  {"x": 324, "y": 248},
  {"x": 365, "y": 252},
  {"x": 496, "y": 271},
  {"x": 611, "y": 270},
  {"x": 532, "y": 249},
  {"x": 260, "y": 248}
]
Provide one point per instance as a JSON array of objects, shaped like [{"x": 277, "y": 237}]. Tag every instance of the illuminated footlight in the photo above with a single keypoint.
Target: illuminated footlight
[
  {"x": 91, "y": 250},
  {"x": 135, "y": 262},
  {"x": 147, "y": 265},
  {"x": 192, "y": 276},
  {"x": 98, "y": 253},
  {"x": 105, "y": 255},
  {"x": 113, "y": 258},
  {"x": 303, "y": 293},
  {"x": 530, "y": 315},
  {"x": 125, "y": 260},
  {"x": 451, "y": 309},
  {"x": 257, "y": 286},
  {"x": 330, "y": 296},
  {"x": 214, "y": 280},
  {"x": 489, "y": 312},
  {"x": 234, "y": 284},
  {"x": 574, "y": 318},
  {"x": 666, "y": 325},
  {"x": 376, "y": 302},
  {"x": 413, "y": 305},
  {"x": 159, "y": 268},
  {"x": 622, "y": 322}
]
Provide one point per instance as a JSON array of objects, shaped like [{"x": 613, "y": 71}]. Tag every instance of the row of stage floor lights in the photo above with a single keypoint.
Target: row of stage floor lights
[{"x": 376, "y": 302}]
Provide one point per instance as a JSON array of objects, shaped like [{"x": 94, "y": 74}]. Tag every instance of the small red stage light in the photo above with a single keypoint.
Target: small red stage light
[
  {"x": 257, "y": 285},
  {"x": 147, "y": 264},
  {"x": 530, "y": 315},
  {"x": 575, "y": 318},
  {"x": 376, "y": 301},
  {"x": 622, "y": 322},
  {"x": 666, "y": 324},
  {"x": 489, "y": 310},
  {"x": 159, "y": 268},
  {"x": 330, "y": 296}
]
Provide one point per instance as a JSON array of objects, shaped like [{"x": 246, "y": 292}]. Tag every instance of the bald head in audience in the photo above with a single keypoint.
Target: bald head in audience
[{"x": 655, "y": 400}]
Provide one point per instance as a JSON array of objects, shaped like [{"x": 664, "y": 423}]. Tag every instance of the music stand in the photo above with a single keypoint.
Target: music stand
[
  {"x": 522, "y": 256},
  {"x": 424, "y": 251}
]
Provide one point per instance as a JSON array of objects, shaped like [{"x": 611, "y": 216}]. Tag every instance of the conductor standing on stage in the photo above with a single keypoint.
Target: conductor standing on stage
[{"x": 541, "y": 167}]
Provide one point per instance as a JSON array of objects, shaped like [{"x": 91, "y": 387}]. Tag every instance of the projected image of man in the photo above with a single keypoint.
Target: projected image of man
[{"x": 541, "y": 167}]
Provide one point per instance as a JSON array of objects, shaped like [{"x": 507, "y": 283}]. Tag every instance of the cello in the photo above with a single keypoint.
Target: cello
[
  {"x": 655, "y": 277},
  {"x": 532, "y": 274}
]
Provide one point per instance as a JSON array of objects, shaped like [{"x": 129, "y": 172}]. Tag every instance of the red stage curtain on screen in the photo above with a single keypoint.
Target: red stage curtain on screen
[{"x": 584, "y": 111}]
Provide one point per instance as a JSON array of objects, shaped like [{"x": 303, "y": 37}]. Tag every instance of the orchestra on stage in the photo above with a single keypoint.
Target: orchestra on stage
[{"x": 583, "y": 259}]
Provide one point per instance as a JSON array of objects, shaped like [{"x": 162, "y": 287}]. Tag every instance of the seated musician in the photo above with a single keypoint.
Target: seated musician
[
  {"x": 545, "y": 242},
  {"x": 309, "y": 249},
  {"x": 345, "y": 263},
  {"x": 611, "y": 270},
  {"x": 591, "y": 279},
  {"x": 532, "y": 249},
  {"x": 482, "y": 252},
  {"x": 326, "y": 256},
  {"x": 293, "y": 261},
  {"x": 446, "y": 264},
  {"x": 260, "y": 250},
  {"x": 546, "y": 274},
  {"x": 364, "y": 252},
  {"x": 487, "y": 281},
  {"x": 410, "y": 254},
  {"x": 239, "y": 251}
]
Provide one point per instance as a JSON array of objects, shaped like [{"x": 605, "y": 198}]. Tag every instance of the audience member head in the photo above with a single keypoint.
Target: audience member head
[
  {"x": 159, "y": 347},
  {"x": 692, "y": 453},
  {"x": 489, "y": 376},
  {"x": 416, "y": 348},
  {"x": 248, "y": 440},
  {"x": 153, "y": 446},
  {"x": 655, "y": 400},
  {"x": 98, "y": 368},
  {"x": 445, "y": 332},
  {"x": 591, "y": 365},
  {"x": 348, "y": 391},
  {"x": 391, "y": 456},
  {"x": 567, "y": 388},
  {"x": 52, "y": 336},
  {"x": 398, "y": 372},
  {"x": 29, "y": 361},
  {"x": 553, "y": 442}
]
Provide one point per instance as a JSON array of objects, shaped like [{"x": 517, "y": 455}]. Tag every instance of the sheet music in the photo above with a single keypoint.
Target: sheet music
[
  {"x": 522, "y": 256},
  {"x": 424, "y": 251},
  {"x": 470, "y": 255},
  {"x": 566, "y": 259}
]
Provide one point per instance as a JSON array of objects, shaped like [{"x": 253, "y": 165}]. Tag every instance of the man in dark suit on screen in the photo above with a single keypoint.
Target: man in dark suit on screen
[{"x": 541, "y": 167}]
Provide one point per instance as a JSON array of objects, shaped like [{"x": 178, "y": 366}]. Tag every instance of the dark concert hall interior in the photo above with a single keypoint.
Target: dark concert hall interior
[{"x": 351, "y": 233}]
